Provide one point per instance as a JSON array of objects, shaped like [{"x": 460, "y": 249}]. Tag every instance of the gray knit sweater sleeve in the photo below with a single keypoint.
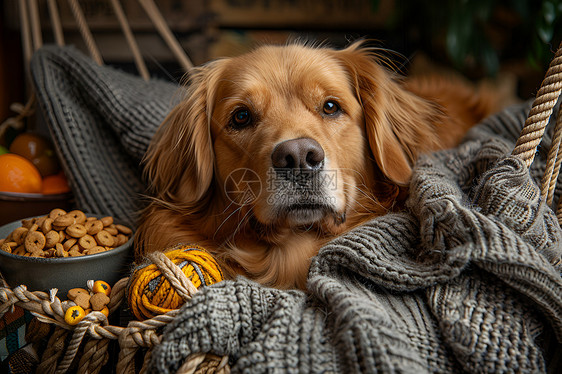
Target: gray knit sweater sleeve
[{"x": 467, "y": 279}]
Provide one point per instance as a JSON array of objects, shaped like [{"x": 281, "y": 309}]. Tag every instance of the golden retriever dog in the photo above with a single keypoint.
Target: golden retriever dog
[{"x": 273, "y": 153}]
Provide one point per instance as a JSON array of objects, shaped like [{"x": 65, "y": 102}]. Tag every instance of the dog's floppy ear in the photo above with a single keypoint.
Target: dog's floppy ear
[
  {"x": 399, "y": 124},
  {"x": 179, "y": 163}
]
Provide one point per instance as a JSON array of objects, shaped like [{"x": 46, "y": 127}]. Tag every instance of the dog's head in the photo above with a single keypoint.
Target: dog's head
[{"x": 292, "y": 135}]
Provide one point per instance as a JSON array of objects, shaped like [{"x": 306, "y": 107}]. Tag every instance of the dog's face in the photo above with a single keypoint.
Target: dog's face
[
  {"x": 289, "y": 119},
  {"x": 290, "y": 136}
]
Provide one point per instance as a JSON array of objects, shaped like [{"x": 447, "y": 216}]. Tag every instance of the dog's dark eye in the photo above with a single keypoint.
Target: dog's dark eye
[
  {"x": 331, "y": 107},
  {"x": 241, "y": 118}
]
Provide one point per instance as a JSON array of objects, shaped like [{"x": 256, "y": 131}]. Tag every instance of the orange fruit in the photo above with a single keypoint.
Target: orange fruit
[
  {"x": 17, "y": 174},
  {"x": 55, "y": 184}
]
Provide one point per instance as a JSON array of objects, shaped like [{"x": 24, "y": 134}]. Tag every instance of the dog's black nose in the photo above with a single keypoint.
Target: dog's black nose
[{"x": 301, "y": 153}]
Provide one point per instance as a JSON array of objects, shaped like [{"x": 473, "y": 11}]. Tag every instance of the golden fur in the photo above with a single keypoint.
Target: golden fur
[{"x": 370, "y": 145}]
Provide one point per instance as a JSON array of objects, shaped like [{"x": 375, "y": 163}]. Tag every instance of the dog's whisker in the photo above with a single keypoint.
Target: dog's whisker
[
  {"x": 241, "y": 223},
  {"x": 237, "y": 210},
  {"x": 360, "y": 174},
  {"x": 356, "y": 201},
  {"x": 229, "y": 205},
  {"x": 226, "y": 219}
]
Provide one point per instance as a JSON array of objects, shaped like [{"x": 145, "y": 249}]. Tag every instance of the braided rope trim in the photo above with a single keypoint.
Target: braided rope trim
[
  {"x": 541, "y": 110},
  {"x": 48, "y": 308}
]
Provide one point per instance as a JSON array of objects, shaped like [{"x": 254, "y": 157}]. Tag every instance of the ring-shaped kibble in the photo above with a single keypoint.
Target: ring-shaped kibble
[
  {"x": 93, "y": 226},
  {"x": 18, "y": 235},
  {"x": 124, "y": 229},
  {"x": 78, "y": 216},
  {"x": 34, "y": 242},
  {"x": 96, "y": 249},
  {"x": 56, "y": 213},
  {"x": 104, "y": 239},
  {"x": 47, "y": 225},
  {"x": 76, "y": 230},
  {"x": 51, "y": 239},
  {"x": 67, "y": 244},
  {"x": 107, "y": 221},
  {"x": 87, "y": 242}
]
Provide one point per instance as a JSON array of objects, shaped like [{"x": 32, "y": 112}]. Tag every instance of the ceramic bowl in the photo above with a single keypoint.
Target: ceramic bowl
[
  {"x": 14, "y": 206},
  {"x": 43, "y": 274}
]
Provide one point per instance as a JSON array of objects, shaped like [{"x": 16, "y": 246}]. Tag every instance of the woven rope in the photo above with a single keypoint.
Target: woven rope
[
  {"x": 94, "y": 357},
  {"x": 541, "y": 110},
  {"x": 85, "y": 31},
  {"x": 173, "y": 274},
  {"x": 205, "y": 363},
  {"x": 55, "y": 22},
  {"x": 55, "y": 349},
  {"x": 159, "y": 22},
  {"x": 139, "y": 62},
  {"x": 137, "y": 335},
  {"x": 554, "y": 161}
]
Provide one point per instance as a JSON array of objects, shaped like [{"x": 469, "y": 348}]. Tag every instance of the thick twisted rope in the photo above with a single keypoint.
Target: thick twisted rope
[
  {"x": 79, "y": 332},
  {"x": 85, "y": 31},
  {"x": 553, "y": 163},
  {"x": 140, "y": 334},
  {"x": 183, "y": 286},
  {"x": 139, "y": 62},
  {"x": 205, "y": 363},
  {"x": 95, "y": 356},
  {"x": 542, "y": 108},
  {"x": 55, "y": 348}
]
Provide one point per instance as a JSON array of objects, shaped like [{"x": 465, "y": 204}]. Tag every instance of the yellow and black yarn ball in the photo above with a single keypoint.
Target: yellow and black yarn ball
[{"x": 149, "y": 293}]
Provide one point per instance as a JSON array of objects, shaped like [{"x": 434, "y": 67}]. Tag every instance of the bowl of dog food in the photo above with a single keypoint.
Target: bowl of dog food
[{"x": 64, "y": 250}]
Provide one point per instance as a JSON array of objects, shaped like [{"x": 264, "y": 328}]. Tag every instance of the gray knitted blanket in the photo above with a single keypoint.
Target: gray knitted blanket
[{"x": 461, "y": 281}]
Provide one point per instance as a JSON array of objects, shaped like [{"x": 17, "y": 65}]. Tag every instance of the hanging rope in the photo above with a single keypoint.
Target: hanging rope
[
  {"x": 139, "y": 62},
  {"x": 158, "y": 21},
  {"x": 35, "y": 25},
  {"x": 55, "y": 22},
  {"x": 85, "y": 31},
  {"x": 548, "y": 184},
  {"x": 542, "y": 108}
]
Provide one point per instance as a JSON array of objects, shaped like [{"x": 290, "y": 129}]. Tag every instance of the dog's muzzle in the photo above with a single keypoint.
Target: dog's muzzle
[{"x": 300, "y": 192}]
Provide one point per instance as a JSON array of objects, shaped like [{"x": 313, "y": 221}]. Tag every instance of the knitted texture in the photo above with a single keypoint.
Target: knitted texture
[
  {"x": 461, "y": 281},
  {"x": 101, "y": 121}
]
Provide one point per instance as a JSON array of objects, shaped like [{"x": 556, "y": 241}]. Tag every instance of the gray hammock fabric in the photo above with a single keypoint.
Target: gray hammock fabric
[
  {"x": 461, "y": 281},
  {"x": 101, "y": 121}
]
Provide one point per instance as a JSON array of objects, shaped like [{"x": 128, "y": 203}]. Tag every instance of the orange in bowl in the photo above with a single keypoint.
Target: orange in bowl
[
  {"x": 55, "y": 184},
  {"x": 17, "y": 174}
]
